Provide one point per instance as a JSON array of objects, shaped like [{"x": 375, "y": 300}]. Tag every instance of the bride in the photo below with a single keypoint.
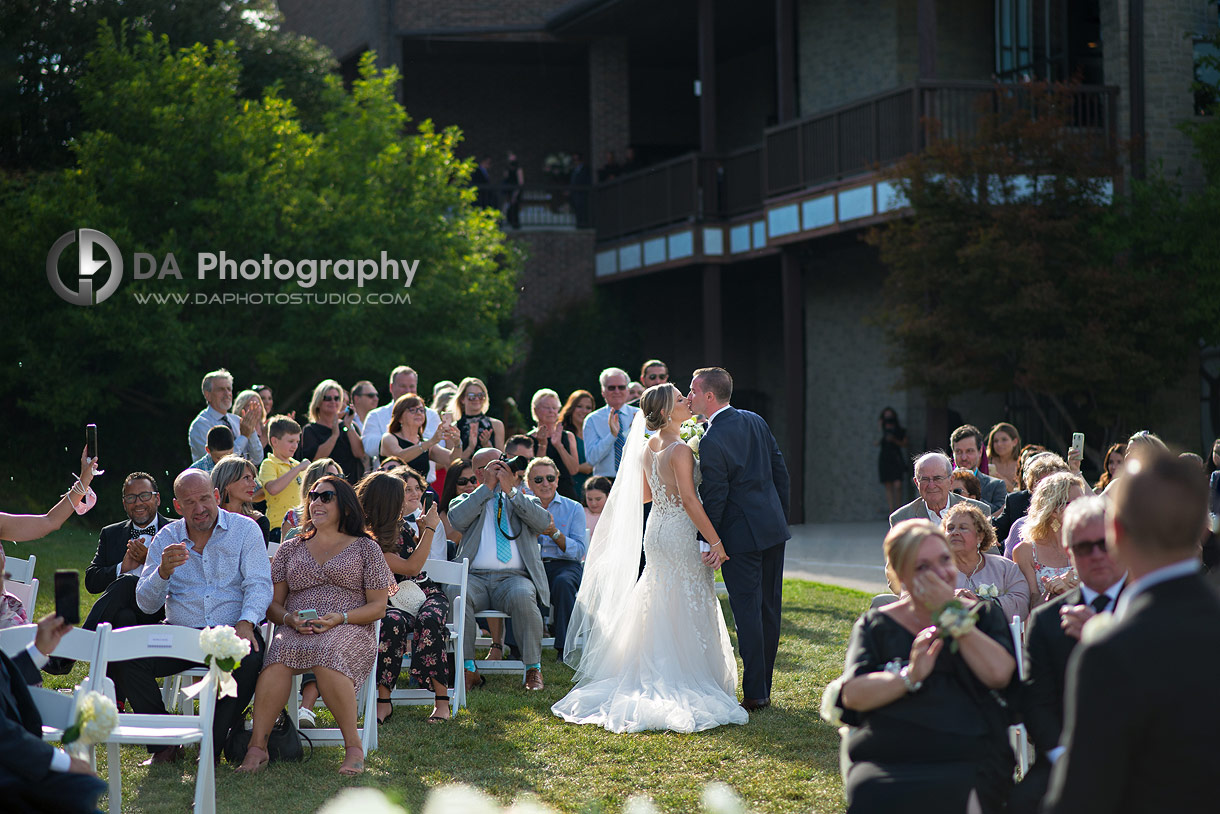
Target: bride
[{"x": 652, "y": 653}]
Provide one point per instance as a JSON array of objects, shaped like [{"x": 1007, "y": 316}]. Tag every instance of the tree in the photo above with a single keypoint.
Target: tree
[
  {"x": 1014, "y": 246},
  {"x": 174, "y": 160}
]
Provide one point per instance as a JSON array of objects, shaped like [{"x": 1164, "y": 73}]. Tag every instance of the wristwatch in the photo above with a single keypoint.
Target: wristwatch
[{"x": 556, "y": 535}]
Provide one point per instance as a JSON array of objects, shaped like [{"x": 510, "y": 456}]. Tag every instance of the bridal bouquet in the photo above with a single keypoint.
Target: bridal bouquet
[
  {"x": 690, "y": 432},
  {"x": 96, "y": 718},
  {"x": 223, "y": 651}
]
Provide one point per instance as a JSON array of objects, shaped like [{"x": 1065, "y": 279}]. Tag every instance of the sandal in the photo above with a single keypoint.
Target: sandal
[
  {"x": 357, "y": 767},
  {"x": 438, "y": 719},
  {"x": 387, "y": 718},
  {"x": 498, "y": 648},
  {"x": 247, "y": 767}
]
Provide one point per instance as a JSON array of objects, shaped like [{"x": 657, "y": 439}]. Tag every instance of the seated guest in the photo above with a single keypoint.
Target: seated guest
[
  {"x": 503, "y": 575},
  {"x": 318, "y": 469},
  {"x": 1040, "y": 555},
  {"x": 929, "y": 735},
  {"x": 964, "y": 483},
  {"x": 553, "y": 441},
  {"x": 404, "y": 438},
  {"x": 1052, "y": 634},
  {"x": 220, "y": 444},
  {"x": 970, "y": 536},
  {"x": 597, "y": 490},
  {"x": 1111, "y": 465},
  {"x": 967, "y": 445},
  {"x": 933, "y": 471},
  {"x": 36, "y": 777},
  {"x": 348, "y": 592},
  {"x": 209, "y": 568},
  {"x": 460, "y": 480},
  {"x": 330, "y": 434},
  {"x": 236, "y": 481},
  {"x": 280, "y": 473},
  {"x": 12, "y": 610},
  {"x": 562, "y": 544},
  {"x": 1036, "y": 467},
  {"x": 421, "y": 633}
]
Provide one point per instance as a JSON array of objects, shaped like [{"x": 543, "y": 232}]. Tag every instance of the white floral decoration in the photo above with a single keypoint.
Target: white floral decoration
[{"x": 1096, "y": 627}]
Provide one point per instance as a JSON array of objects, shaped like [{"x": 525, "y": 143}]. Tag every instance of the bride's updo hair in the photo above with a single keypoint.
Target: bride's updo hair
[{"x": 656, "y": 404}]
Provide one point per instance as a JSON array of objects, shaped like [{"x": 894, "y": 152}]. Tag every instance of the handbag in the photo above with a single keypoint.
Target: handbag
[
  {"x": 284, "y": 742},
  {"x": 408, "y": 597}
]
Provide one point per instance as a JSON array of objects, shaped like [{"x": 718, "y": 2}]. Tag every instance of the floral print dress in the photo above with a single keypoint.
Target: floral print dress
[{"x": 422, "y": 635}]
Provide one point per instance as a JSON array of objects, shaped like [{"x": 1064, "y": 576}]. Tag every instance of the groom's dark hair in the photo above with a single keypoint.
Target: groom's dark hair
[{"x": 718, "y": 381}]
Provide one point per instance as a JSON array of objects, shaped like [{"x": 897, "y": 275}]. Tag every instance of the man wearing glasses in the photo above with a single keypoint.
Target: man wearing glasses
[
  {"x": 933, "y": 471},
  {"x": 606, "y": 428},
  {"x": 375, "y": 422},
  {"x": 562, "y": 544},
  {"x": 364, "y": 401},
  {"x": 652, "y": 372}
]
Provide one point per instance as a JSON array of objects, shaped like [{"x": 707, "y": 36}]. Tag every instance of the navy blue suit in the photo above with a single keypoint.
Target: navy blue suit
[{"x": 745, "y": 495}]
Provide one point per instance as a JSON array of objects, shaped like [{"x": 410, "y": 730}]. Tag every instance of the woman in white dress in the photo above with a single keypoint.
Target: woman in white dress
[{"x": 652, "y": 653}]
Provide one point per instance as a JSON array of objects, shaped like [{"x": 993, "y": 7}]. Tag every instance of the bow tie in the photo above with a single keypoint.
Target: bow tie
[{"x": 151, "y": 531}]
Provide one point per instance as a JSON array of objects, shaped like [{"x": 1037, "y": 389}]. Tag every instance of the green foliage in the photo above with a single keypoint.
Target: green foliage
[{"x": 174, "y": 159}]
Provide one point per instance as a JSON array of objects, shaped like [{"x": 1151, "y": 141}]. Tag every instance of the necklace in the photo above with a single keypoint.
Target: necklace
[{"x": 977, "y": 568}]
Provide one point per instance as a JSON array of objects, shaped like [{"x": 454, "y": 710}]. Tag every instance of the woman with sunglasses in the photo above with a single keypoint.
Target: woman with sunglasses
[
  {"x": 404, "y": 438},
  {"x": 476, "y": 429},
  {"x": 461, "y": 480},
  {"x": 330, "y": 432},
  {"x": 335, "y": 570}
]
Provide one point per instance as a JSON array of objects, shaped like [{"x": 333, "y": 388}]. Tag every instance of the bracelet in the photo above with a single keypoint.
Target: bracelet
[
  {"x": 905, "y": 675},
  {"x": 345, "y": 617},
  {"x": 717, "y": 543}
]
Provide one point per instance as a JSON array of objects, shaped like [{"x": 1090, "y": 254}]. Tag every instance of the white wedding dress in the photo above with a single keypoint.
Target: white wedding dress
[{"x": 662, "y": 658}]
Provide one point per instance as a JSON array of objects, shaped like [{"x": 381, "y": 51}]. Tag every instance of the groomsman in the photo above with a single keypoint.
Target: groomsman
[
  {"x": 1140, "y": 725},
  {"x": 606, "y": 428}
]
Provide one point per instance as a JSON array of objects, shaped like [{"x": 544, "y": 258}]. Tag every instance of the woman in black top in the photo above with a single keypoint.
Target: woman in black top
[
  {"x": 331, "y": 435},
  {"x": 476, "y": 429},
  {"x": 552, "y": 441},
  {"x": 930, "y": 728},
  {"x": 892, "y": 463},
  {"x": 404, "y": 438}
]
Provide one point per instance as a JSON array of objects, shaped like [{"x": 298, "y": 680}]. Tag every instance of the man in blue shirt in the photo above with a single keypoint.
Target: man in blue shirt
[
  {"x": 606, "y": 429},
  {"x": 217, "y": 390},
  {"x": 562, "y": 544}
]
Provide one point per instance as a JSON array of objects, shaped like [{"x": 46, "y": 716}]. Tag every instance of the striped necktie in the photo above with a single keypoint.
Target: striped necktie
[
  {"x": 619, "y": 440},
  {"x": 504, "y": 551}
]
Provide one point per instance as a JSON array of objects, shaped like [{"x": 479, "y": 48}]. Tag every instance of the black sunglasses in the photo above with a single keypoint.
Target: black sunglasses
[
  {"x": 1085, "y": 547},
  {"x": 467, "y": 481},
  {"x": 332, "y": 398},
  {"x": 547, "y": 478},
  {"x": 325, "y": 497},
  {"x": 616, "y": 387}
]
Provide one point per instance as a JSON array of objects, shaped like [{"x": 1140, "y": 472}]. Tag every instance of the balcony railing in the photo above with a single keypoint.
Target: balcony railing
[{"x": 830, "y": 146}]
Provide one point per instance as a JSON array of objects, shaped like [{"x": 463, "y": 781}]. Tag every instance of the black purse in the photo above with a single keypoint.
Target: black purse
[{"x": 283, "y": 744}]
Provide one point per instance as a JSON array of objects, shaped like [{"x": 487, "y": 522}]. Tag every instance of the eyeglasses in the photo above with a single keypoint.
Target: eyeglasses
[
  {"x": 657, "y": 376},
  {"x": 1086, "y": 547},
  {"x": 937, "y": 479},
  {"x": 475, "y": 396},
  {"x": 332, "y": 398},
  {"x": 325, "y": 497},
  {"x": 547, "y": 478},
  {"x": 371, "y": 395},
  {"x": 467, "y": 481},
  {"x": 616, "y": 387},
  {"x": 140, "y": 496},
  {"x": 417, "y": 410}
]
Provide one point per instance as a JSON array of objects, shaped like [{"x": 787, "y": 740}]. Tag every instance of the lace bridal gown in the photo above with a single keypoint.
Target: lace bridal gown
[{"x": 666, "y": 661}]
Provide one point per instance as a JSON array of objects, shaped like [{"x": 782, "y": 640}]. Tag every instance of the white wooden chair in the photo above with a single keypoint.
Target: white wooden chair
[
  {"x": 77, "y": 644},
  {"x": 20, "y": 570},
  {"x": 150, "y": 641},
  {"x": 444, "y": 572},
  {"x": 1017, "y": 734},
  {"x": 22, "y": 583},
  {"x": 366, "y": 702}
]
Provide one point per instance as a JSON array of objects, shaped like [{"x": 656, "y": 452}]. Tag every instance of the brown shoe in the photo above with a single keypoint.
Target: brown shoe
[
  {"x": 169, "y": 754},
  {"x": 754, "y": 704},
  {"x": 474, "y": 679},
  {"x": 533, "y": 679}
]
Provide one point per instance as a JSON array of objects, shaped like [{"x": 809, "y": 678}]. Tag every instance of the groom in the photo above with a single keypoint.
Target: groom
[{"x": 745, "y": 495}]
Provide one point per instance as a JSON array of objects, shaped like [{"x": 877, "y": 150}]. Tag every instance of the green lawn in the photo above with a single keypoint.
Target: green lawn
[{"x": 508, "y": 743}]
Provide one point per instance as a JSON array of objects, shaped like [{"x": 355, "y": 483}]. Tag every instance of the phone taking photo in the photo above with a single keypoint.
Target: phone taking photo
[
  {"x": 91, "y": 441},
  {"x": 67, "y": 596},
  {"x": 1078, "y": 442}
]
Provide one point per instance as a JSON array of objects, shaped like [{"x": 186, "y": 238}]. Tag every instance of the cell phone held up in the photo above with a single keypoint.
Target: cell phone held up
[
  {"x": 67, "y": 596},
  {"x": 91, "y": 441},
  {"x": 1078, "y": 442}
]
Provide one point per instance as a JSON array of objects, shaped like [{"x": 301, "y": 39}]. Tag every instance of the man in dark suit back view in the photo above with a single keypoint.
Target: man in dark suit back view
[
  {"x": 1139, "y": 725},
  {"x": 745, "y": 495},
  {"x": 34, "y": 776}
]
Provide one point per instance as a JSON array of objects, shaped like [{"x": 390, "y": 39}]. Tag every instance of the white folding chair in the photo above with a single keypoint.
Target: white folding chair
[
  {"x": 505, "y": 665},
  {"x": 20, "y": 570},
  {"x": 27, "y": 592},
  {"x": 444, "y": 572},
  {"x": 366, "y": 701},
  {"x": 1017, "y": 734},
  {"x": 77, "y": 644},
  {"x": 271, "y": 549},
  {"x": 151, "y": 641}
]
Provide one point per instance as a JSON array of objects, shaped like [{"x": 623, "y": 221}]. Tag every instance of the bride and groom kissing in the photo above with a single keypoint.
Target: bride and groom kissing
[{"x": 651, "y": 649}]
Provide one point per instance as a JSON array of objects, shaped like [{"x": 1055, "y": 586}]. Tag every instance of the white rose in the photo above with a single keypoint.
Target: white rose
[
  {"x": 693, "y": 443},
  {"x": 459, "y": 797},
  {"x": 830, "y": 711},
  {"x": 360, "y": 801},
  {"x": 719, "y": 798}
]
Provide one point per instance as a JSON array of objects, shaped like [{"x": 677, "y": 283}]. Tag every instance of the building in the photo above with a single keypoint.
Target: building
[{"x": 756, "y": 128}]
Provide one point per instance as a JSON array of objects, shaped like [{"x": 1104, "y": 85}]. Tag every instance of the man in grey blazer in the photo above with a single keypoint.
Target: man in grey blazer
[
  {"x": 967, "y": 444},
  {"x": 932, "y": 473},
  {"x": 506, "y": 571}
]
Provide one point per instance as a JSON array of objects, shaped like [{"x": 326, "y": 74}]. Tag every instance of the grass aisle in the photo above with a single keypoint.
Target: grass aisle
[{"x": 508, "y": 743}]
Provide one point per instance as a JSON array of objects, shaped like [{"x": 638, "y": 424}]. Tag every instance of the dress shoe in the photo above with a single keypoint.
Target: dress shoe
[
  {"x": 170, "y": 754},
  {"x": 754, "y": 704},
  {"x": 533, "y": 679},
  {"x": 474, "y": 679}
]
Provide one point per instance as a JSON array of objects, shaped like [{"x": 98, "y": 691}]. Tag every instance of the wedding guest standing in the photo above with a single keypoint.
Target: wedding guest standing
[
  {"x": 970, "y": 536},
  {"x": 891, "y": 458},
  {"x": 404, "y": 438},
  {"x": 475, "y": 428},
  {"x": 251, "y": 401},
  {"x": 217, "y": 387},
  {"x": 572, "y": 417},
  {"x": 1003, "y": 451},
  {"x": 1111, "y": 465},
  {"x": 514, "y": 180},
  {"x": 929, "y": 734},
  {"x": 552, "y": 441},
  {"x": 330, "y": 435},
  {"x": 606, "y": 429}
]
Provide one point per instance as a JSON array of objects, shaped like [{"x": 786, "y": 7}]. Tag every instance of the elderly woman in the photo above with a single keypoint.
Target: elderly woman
[
  {"x": 388, "y": 498},
  {"x": 552, "y": 441},
  {"x": 251, "y": 400},
  {"x": 929, "y": 734},
  {"x": 970, "y": 536},
  {"x": 572, "y": 418},
  {"x": 236, "y": 481},
  {"x": 332, "y": 569},
  {"x": 476, "y": 429},
  {"x": 1040, "y": 554},
  {"x": 404, "y": 438},
  {"x": 329, "y": 433}
]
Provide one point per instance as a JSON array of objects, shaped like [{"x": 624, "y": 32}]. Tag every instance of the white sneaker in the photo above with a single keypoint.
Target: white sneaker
[{"x": 306, "y": 718}]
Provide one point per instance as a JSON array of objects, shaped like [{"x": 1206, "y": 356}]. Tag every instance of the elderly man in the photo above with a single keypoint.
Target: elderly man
[
  {"x": 1054, "y": 630},
  {"x": 1139, "y": 725},
  {"x": 403, "y": 380},
  {"x": 209, "y": 568},
  {"x": 967, "y": 444},
  {"x": 606, "y": 428},
  {"x": 503, "y": 575},
  {"x": 933, "y": 471},
  {"x": 562, "y": 544},
  {"x": 217, "y": 390}
]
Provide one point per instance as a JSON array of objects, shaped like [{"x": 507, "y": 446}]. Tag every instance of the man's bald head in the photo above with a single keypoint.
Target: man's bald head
[
  {"x": 191, "y": 480},
  {"x": 195, "y": 498},
  {"x": 485, "y": 456}
]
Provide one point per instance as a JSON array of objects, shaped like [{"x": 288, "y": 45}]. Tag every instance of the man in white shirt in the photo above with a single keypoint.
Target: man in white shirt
[
  {"x": 606, "y": 428},
  {"x": 403, "y": 380},
  {"x": 217, "y": 390},
  {"x": 932, "y": 473}
]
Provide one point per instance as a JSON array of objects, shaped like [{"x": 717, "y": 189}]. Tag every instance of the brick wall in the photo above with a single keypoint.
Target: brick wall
[
  {"x": 346, "y": 33},
  {"x": 745, "y": 104},
  {"x": 965, "y": 39},
  {"x": 609, "y": 100},
  {"x": 846, "y": 49},
  {"x": 429, "y": 14},
  {"x": 558, "y": 271}
]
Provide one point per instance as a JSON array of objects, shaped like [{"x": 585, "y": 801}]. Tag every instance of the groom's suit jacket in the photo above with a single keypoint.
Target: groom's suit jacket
[
  {"x": 745, "y": 482},
  {"x": 1140, "y": 720}
]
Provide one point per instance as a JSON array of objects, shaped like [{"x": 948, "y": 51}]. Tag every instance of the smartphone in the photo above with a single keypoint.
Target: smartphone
[
  {"x": 308, "y": 615},
  {"x": 67, "y": 596},
  {"x": 429, "y": 499},
  {"x": 91, "y": 441},
  {"x": 1078, "y": 442}
]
